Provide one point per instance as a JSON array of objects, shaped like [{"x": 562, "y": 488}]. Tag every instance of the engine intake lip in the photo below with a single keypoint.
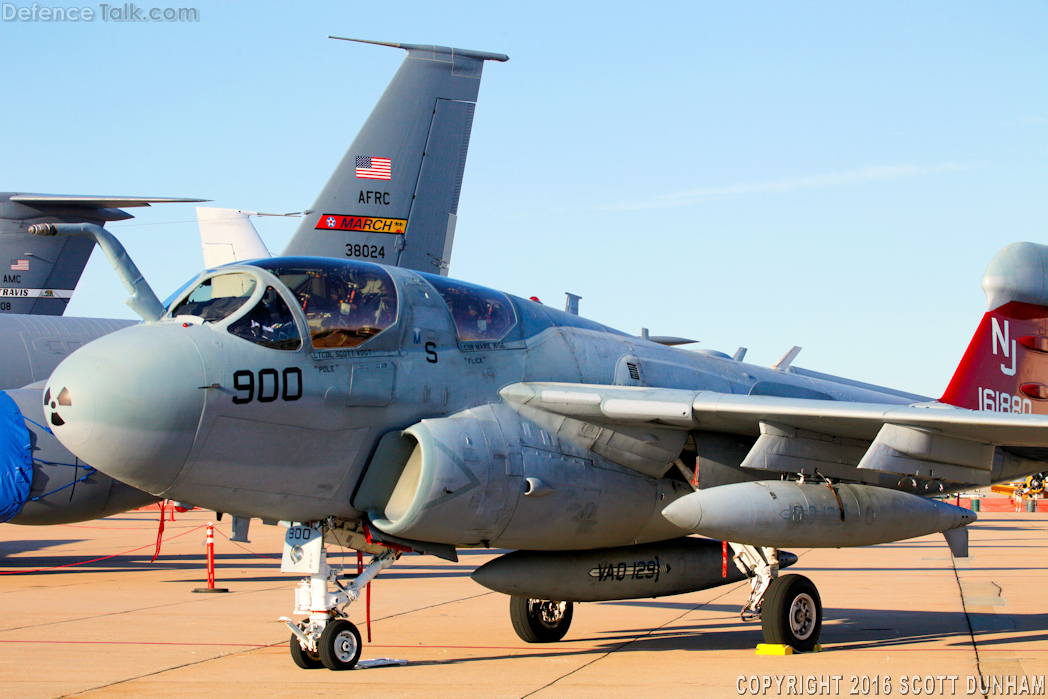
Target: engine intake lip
[{"x": 397, "y": 480}]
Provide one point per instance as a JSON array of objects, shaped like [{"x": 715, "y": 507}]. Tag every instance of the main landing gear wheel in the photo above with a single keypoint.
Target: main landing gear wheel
[
  {"x": 791, "y": 613},
  {"x": 305, "y": 659},
  {"x": 339, "y": 645},
  {"x": 539, "y": 621}
]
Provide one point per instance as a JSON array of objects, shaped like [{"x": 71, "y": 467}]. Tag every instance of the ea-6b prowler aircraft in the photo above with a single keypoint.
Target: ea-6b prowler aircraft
[
  {"x": 401, "y": 211},
  {"x": 390, "y": 410}
]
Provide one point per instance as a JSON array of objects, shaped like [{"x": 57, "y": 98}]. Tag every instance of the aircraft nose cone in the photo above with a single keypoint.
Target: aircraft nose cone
[
  {"x": 129, "y": 404},
  {"x": 685, "y": 513}
]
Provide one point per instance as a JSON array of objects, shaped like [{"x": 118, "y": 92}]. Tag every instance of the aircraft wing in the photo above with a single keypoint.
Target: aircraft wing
[{"x": 840, "y": 439}]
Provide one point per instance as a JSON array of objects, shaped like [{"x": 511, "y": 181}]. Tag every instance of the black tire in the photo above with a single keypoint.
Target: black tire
[
  {"x": 305, "y": 659},
  {"x": 339, "y": 645},
  {"x": 540, "y": 621},
  {"x": 791, "y": 613}
]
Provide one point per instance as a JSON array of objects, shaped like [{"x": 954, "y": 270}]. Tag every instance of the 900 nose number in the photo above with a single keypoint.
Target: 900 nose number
[{"x": 286, "y": 385}]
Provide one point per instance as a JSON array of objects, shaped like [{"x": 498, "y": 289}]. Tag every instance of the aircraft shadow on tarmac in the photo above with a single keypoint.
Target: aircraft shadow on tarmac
[
  {"x": 247, "y": 560},
  {"x": 863, "y": 629},
  {"x": 9, "y": 548},
  {"x": 842, "y": 632},
  {"x": 848, "y": 629},
  {"x": 139, "y": 561}
]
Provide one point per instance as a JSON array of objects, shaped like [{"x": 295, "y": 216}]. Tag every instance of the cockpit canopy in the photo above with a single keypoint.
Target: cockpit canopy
[
  {"x": 217, "y": 297},
  {"x": 345, "y": 303},
  {"x": 479, "y": 313}
]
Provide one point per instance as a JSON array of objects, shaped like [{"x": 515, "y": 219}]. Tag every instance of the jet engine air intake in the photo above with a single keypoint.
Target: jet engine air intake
[
  {"x": 429, "y": 482},
  {"x": 481, "y": 478}
]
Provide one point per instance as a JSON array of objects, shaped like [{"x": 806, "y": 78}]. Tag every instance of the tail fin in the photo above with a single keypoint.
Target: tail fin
[
  {"x": 394, "y": 197},
  {"x": 227, "y": 235},
  {"x": 39, "y": 274},
  {"x": 1005, "y": 368}
]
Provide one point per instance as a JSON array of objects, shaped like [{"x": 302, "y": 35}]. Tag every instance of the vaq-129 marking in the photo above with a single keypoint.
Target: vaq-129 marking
[{"x": 389, "y": 410}]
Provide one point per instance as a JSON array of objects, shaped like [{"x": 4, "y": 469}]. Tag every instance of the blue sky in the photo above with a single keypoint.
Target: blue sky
[{"x": 830, "y": 175}]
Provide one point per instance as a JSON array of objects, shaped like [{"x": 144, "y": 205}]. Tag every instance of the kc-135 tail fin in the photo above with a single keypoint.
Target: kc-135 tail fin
[
  {"x": 1005, "y": 368},
  {"x": 394, "y": 197}
]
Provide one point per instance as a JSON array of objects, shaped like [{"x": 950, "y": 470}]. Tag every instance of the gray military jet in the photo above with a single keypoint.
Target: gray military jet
[
  {"x": 389, "y": 410},
  {"x": 403, "y": 214}
]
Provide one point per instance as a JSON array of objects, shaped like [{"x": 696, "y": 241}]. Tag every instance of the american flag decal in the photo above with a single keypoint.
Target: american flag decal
[
  {"x": 19, "y": 265},
  {"x": 371, "y": 168}
]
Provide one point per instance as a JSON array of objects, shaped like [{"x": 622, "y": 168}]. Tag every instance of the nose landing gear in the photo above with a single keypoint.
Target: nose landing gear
[{"x": 326, "y": 638}]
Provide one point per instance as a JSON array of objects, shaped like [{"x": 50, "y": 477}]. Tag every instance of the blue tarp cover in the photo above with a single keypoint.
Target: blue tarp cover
[{"x": 16, "y": 460}]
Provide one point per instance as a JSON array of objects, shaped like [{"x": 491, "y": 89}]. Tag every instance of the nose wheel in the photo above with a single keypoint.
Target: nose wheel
[
  {"x": 540, "y": 621},
  {"x": 304, "y": 658},
  {"x": 340, "y": 645}
]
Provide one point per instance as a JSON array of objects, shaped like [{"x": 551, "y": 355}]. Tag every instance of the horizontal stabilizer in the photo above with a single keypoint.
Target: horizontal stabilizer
[
  {"x": 93, "y": 202},
  {"x": 424, "y": 48}
]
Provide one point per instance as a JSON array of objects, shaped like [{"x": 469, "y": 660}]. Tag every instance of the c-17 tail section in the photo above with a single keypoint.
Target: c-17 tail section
[
  {"x": 1005, "y": 368},
  {"x": 394, "y": 197},
  {"x": 38, "y": 275}
]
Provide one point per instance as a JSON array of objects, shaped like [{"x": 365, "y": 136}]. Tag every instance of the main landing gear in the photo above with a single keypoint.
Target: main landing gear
[
  {"x": 540, "y": 621},
  {"x": 791, "y": 613},
  {"x": 326, "y": 638},
  {"x": 789, "y": 606}
]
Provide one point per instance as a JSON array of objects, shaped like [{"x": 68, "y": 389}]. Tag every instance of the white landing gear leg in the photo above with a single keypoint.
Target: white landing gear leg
[
  {"x": 788, "y": 606},
  {"x": 327, "y": 638},
  {"x": 761, "y": 566}
]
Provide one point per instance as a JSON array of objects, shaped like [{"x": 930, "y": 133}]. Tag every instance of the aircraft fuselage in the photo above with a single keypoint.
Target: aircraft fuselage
[{"x": 278, "y": 407}]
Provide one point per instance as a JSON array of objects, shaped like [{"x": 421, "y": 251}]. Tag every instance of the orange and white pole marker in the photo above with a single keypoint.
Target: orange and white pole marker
[{"x": 209, "y": 541}]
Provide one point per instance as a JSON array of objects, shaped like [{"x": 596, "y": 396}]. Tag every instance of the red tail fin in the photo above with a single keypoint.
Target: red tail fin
[{"x": 1005, "y": 368}]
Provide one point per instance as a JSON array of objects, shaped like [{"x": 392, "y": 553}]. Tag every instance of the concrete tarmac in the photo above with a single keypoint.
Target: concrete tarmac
[{"x": 896, "y": 617}]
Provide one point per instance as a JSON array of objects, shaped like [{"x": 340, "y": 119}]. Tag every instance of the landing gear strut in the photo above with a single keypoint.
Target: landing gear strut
[
  {"x": 326, "y": 638},
  {"x": 540, "y": 621},
  {"x": 789, "y": 607}
]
